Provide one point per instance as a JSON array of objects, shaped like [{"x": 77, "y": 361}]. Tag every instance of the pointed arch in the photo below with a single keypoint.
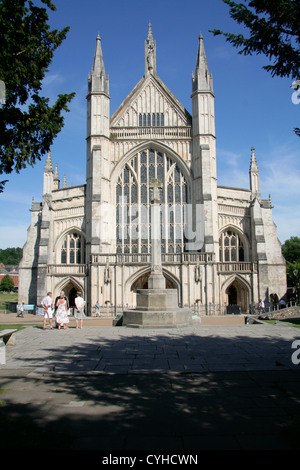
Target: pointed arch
[
  {"x": 159, "y": 147},
  {"x": 242, "y": 294},
  {"x": 142, "y": 275},
  {"x": 233, "y": 244},
  {"x": 69, "y": 285},
  {"x": 70, "y": 247},
  {"x": 131, "y": 181}
]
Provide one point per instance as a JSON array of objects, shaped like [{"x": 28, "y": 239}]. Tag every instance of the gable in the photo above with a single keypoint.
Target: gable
[{"x": 151, "y": 103}]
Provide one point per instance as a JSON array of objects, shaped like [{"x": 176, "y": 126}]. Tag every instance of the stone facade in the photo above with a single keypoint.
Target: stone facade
[{"x": 219, "y": 244}]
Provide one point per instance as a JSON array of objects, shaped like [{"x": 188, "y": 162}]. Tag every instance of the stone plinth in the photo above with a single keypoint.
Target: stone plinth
[
  {"x": 157, "y": 308},
  {"x": 156, "y": 299}
]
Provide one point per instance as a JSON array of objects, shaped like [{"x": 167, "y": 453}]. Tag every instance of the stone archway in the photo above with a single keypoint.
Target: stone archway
[
  {"x": 142, "y": 282},
  {"x": 70, "y": 289},
  {"x": 237, "y": 297}
]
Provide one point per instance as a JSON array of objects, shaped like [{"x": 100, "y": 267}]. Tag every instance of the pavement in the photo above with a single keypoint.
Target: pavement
[{"x": 117, "y": 389}]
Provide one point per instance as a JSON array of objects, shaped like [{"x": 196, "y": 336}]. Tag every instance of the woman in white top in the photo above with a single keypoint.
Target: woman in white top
[
  {"x": 47, "y": 305},
  {"x": 79, "y": 310}
]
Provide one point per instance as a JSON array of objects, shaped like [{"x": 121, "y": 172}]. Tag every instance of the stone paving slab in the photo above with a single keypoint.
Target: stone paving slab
[
  {"x": 121, "y": 389},
  {"x": 195, "y": 348}
]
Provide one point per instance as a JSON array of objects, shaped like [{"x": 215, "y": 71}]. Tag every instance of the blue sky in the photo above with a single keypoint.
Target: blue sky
[{"x": 252, "y": 108}]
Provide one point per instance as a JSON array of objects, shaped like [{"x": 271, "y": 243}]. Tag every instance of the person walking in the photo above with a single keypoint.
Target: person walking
[
  {"x": 261, "y": 306},
  {"x": 61, "y": 306},
  {"x": 21, "y": 310},
  {"x": 48, "y": 312},
  {"x": 79, "y": 309}
]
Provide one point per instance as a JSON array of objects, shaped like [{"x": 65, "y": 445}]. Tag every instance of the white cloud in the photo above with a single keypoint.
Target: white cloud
[
  {"x": 279, "y": 177},
  {"x": 53, "y": 78},
  {"x": 280, "y": 173}
]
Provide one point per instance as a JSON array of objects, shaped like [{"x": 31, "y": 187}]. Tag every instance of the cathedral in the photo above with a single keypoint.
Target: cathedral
[{"x": 219, "y": 246}]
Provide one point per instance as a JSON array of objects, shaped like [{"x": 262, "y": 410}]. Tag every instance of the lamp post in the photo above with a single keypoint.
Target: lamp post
[{"x": 295, "y": 272}]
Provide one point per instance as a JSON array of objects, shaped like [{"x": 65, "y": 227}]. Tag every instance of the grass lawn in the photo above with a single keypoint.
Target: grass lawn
[
  {"x": 6, "y": 297},
  {"x": 293, "y": 321},
  {"x": 11, "y": 326}
]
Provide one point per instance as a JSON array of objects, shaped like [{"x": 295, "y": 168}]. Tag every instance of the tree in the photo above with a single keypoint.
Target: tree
[
  {"x": 28, "y": 124},
  {"x": 274, "y": 31},
  {"x": 291, "y": 252},
  {"x": 11, "y": 256},
  {"x": 7, "y": 284}
]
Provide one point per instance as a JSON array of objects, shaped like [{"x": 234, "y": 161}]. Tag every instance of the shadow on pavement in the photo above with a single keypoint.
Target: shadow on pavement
[{"x": 88, "y": 403}]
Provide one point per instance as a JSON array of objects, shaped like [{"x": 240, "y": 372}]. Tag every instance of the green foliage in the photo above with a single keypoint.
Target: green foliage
[
  {"x": 11, "y": 256},
  {"x": 28, "y": 124},
  {"x": 7, "y": 284},
  {"x": 274, "y": 29},
  {"x": 291, "y": 250},
  {"x": 293, "y": 274}
]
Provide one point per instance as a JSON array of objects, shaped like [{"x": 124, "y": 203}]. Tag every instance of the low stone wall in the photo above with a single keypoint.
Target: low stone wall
[
  {"x": 282, "y": 314},
  {"x": 223, "y": 320}
]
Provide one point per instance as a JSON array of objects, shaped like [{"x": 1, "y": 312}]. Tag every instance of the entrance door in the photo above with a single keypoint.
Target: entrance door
[
  {"x": 237, "y": 297},
  {"x": 232, "y": 295}
]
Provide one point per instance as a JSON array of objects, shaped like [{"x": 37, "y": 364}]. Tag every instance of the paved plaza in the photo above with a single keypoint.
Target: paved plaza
[{"x": 233, "y": 387}]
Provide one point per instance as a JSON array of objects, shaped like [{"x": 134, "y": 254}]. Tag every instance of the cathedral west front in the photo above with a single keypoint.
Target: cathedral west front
[{"x": 219, "y": 245}]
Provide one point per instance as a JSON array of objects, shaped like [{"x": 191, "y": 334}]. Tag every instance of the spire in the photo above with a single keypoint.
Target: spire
[
  {"x": 98, "y": 81},
  {"x": 254, "y": 174},
  {"x": 202, "y": 79},
  {"x": 150, "y": 53},
  {"x": 253, "y": 163},
  {"x": 48, "y": 175},
  {"x": 56, "y": 178},
  {"x": 48, "y": 165}
]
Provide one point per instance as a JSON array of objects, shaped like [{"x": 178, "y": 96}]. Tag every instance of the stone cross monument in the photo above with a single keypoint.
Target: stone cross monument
[
  {"x": 156, "y": 279},
  {"x": 156, "y": 307}
]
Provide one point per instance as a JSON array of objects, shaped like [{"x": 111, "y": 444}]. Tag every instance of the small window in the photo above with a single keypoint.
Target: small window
[
  {"x": 72, "y": 249},
  {"x": 156, "y": 119}
]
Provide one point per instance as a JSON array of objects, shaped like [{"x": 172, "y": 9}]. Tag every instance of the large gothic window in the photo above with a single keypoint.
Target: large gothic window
[
  {"x": 133, "y": 200},
  {"x": 73, "y": 249},
  {"x": 231, "y": 247}
]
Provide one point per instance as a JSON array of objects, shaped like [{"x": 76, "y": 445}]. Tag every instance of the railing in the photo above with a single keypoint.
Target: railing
[
  {"x": 67, "y": 269},
  {"x": 245, "y": 267},
  {"x": 150, "y": 132},
  {"x": 140, "y": 258},
  {"x": 145, "y": 259}
]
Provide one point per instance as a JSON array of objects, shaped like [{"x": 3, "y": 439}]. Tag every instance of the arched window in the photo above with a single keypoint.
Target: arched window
[
  {"x": 133, "y": 200},
  {"x": 231, "y": 247},
  {"x": 73, "y": 249}
]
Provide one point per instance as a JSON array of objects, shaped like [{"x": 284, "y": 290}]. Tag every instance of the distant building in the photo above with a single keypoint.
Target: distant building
[{"x": 219, "y": 244}]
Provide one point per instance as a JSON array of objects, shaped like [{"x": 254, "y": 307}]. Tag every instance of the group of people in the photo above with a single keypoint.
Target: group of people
[{"x": 60, "y": 310}]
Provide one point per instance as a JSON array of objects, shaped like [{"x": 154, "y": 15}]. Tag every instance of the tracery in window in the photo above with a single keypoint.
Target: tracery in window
[
  {"x": 151, "y": 119},
  {"x": 73, "y": 249},
  {"x": 133, "y": 199},
  {"x": 231, "y": 247}
]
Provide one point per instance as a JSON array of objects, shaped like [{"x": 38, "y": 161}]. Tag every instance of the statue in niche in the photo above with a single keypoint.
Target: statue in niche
[
  {"x": 197, "y": 273},
  {"x": 150, "y": 56},
  {"x": 107, "y": 273}
]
